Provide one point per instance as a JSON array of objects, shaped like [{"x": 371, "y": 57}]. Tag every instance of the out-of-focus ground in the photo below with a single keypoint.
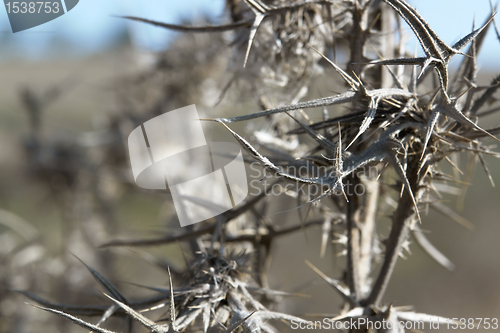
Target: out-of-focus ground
[{"x": 471, "y": 291}]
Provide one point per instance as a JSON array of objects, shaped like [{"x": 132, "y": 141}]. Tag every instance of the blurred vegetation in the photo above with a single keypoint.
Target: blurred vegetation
[{"x": 66, "y": 188}]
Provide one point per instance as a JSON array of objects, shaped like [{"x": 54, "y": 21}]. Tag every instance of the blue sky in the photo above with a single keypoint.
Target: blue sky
[{"x": 91, "y": 25}]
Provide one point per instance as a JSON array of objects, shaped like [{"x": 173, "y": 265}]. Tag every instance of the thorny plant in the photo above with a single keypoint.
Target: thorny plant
[{"x": 397, "y": 120}]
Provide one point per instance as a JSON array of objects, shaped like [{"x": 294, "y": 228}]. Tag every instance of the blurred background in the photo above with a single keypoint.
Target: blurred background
[{"x": 69, "y": 84}]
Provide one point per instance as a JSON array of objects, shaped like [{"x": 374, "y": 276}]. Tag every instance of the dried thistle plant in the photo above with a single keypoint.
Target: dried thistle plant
[{"x": 397, "y": 125}]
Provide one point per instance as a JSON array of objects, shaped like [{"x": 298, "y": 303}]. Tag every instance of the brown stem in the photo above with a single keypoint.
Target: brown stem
[
  {"x": 353, "y": 243},
  {"x": 357, "y": 45},
  {"x": 367, "y": 228},
  {"x": 357, "y": 39}
]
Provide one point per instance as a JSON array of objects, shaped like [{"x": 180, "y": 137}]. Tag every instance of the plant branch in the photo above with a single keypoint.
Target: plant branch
[{"x": 401, "y": 221}]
